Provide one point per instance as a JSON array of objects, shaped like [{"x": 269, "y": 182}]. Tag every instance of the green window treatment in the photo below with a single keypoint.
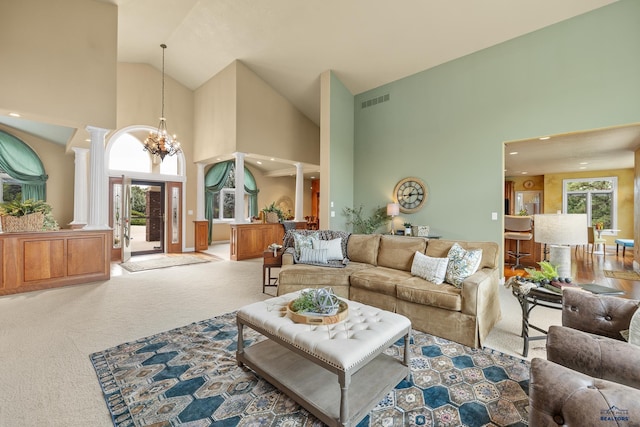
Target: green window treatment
[
  {"x": 21, "y": 163},
  {"x": 214, "y": 182}
]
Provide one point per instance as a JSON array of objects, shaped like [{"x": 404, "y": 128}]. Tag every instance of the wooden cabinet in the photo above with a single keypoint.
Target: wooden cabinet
[
  {"x": 252, "y": 239},
  {"x": 202, "y": 235},
  {"x": 43, "y": 260}
]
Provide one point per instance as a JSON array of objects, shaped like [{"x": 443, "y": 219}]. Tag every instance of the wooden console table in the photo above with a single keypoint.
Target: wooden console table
[
  {"x": 50, "y": 259},
  {"x": 250, "y": 240}
]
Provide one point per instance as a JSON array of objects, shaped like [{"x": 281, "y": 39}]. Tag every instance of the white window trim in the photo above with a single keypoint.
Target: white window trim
[
  {"x": 229, "y": 190},
  {"x": 614, "y": 191}
]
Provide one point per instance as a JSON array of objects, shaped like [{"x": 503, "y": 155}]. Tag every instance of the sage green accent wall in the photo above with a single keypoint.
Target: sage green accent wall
[
  {"x": 448, "y": 125},
  {"x": 341, "y": 154}
]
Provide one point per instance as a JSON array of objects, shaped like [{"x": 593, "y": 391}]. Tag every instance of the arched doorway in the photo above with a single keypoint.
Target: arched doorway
[{"x": 145, "y": 196}]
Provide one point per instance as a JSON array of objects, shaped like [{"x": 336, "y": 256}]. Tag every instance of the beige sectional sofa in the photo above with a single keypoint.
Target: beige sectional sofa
[{"x": 378, "y": 273}]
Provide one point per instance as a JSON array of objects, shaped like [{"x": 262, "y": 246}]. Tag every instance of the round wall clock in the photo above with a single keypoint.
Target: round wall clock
[{"x": 411, "y": 193}]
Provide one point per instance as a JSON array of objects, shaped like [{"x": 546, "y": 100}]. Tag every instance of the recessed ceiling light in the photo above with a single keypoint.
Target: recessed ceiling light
[
  {"x": 14, "y": 114},
  {"x": 512, "y": 153},
  {"x": 313, "y": 177},
  {"x": 583, "y": 167},
  {"x": 584, "y": 163},
  {"x": 524, "y": 173},
  {"x": 87, "y": 140},
  {"x": 272, "y": 159},
  {"x": 542, "y": 138},
  {"x": 259, "y": 162}
]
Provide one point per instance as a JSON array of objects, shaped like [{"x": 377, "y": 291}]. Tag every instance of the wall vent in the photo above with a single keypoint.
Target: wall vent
[{"x": 375, "y": 101}]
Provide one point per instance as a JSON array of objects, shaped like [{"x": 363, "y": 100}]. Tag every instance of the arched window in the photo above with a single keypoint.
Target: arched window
[
  {"x": 21, "y": 166},
  {"x": 220, "y": 196}
]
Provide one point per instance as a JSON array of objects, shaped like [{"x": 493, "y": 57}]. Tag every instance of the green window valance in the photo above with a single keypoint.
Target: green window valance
[
  {"x": 214, "y": 182},
  {"x": 21, "y": 163}
]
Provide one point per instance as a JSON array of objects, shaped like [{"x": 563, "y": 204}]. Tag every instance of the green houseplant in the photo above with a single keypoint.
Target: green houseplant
[
  {"x": 272, "y": 213},
  {"x": 27, "y": 215},
  {"x": 364, "y": 225}
]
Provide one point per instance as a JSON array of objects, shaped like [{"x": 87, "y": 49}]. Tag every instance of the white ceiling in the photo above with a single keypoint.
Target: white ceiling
[{"x": 367, "y": 43}]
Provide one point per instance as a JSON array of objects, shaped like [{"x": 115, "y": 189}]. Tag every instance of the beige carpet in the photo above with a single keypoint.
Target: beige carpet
[
  {"x": 46, "y": 337},
  {"x": 620, "y": 274},
  {"x": 165, "y": 261}
]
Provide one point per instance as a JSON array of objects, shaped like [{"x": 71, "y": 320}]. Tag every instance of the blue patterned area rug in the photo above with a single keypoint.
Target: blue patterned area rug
[{"x": 188, "y": 376}]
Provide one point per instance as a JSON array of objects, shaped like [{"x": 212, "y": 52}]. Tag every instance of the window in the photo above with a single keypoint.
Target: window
[
  {"x": 10, "y": 189},
  {"x": 596, "y": 197},
  {"x": 224, "y": 201}
]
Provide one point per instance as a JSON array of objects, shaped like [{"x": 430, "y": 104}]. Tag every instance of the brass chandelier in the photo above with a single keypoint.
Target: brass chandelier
[{"x": 160, "y": 142}]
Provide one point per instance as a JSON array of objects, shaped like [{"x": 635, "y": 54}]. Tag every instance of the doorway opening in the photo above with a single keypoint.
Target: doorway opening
[{"x": 147, "y": 217}]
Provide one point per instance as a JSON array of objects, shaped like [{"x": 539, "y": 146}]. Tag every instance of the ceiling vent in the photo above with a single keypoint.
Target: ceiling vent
[{"x": 375, "y": 101}]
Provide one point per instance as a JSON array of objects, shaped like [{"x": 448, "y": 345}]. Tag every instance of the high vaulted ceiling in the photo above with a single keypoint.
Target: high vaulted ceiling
[{"x": 289, "y": 43}]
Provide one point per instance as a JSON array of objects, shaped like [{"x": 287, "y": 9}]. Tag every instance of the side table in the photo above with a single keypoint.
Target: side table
[
  {"x": 528, "y": 301},
  {"x": 270, "y": 260}
]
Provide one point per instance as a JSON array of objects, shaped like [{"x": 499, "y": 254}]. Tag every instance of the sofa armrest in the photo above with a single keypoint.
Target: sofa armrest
[
  {"x": 594, "y": 355},
  {"x": 597, "y": 314},
  {"x": 477, "y": 288},
  {"x": 560, "y": 396},
  {"x": 287, "y": 257}
]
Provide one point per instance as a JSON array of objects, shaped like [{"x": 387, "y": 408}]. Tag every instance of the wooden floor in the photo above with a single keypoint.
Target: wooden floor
[{"x": 589, "y": 268}]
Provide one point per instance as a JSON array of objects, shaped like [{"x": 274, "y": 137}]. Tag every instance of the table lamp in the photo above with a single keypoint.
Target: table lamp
[
  {"x": 393, "y": 209},
  {"x": 560, "y": 231}
]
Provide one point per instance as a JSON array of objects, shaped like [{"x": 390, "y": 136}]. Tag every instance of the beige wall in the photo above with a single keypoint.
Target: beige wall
[
  {"x": 60, "y": 169},
  {"x": 215, "y": 116},
  {"x": 268, "y": 124},
  {"x": 553, "y": 197},
  {"x": 59, "y": 61}
]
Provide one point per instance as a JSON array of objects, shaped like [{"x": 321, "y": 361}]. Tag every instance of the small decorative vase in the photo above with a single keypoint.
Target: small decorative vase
[{"x": 407, "y": 231}]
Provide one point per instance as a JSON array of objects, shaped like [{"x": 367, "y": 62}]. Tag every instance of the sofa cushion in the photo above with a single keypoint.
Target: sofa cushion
[
  {"x": 363, "y": 248},
  {"x": 333, "y": 248},
  {"x": 462, "y": 264},
  {"x": 289, "y": 240},
  {"x": 428, "y": 268},
  {"x": 420, "y": 291},
  {"x": 306, "y": 274},
  {"x": 397, "y": 251},
  {"x": 379, "y": 279}
]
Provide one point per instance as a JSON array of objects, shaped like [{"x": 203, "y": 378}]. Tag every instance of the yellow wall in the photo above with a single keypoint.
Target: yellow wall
[{"x": 553, "y": 196}]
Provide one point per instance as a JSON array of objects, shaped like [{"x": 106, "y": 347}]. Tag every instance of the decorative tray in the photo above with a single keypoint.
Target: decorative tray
[{"x": 317, "y": 318}]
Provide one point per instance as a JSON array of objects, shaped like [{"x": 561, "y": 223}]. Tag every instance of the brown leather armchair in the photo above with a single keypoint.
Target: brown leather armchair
[{"x": 592, "y": 376}]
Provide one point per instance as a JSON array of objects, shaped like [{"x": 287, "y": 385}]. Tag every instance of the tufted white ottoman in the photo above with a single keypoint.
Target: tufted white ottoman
[{"x": 303, "y": 360}]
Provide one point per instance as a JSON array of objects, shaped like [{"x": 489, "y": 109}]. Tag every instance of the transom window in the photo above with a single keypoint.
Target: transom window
[{"x": 596, "y": 197}]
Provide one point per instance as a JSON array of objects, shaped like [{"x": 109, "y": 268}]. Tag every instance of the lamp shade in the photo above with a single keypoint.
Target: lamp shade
[
  {"x": 393, "y": 209},
  {"x": 560, "y": 229}
]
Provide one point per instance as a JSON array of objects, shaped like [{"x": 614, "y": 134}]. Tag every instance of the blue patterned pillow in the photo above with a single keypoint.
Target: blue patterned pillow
[
  {"x": 303, "y": 241},
  {"x": 462, "y": 264}
]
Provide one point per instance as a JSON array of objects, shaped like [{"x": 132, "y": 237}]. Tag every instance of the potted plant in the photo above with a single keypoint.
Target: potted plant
[
  {"x": 363, "y": 225},
  {"x": 272, "y": 213},
  {"x": 27, "y": 215},
  {"x": 407, "y": 229}
]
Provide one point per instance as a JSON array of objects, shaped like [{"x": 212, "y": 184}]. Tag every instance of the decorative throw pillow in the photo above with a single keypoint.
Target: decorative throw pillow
[
  {"x": 313, "y": 256},
  {"x": 633, "y": 333},
  {"x": 462, "y": 264},
  {"x": 429, "y": 268},
  {"x": 333, "y": 247},
  {"x": 303, "y": 241}
]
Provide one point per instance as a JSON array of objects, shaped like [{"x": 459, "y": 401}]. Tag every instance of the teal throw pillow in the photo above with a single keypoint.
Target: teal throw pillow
[{"x": 462, "y": 264}]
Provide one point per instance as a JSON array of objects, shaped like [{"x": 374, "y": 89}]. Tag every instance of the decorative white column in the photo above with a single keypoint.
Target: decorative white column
[
  {"x": 200, "y": 192},
  {"x": 98, "y": 183},
  {"x": 80, "y": 188},
  {"x": 299, "y": 193},
  {"x": 239, "y": 211}
]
